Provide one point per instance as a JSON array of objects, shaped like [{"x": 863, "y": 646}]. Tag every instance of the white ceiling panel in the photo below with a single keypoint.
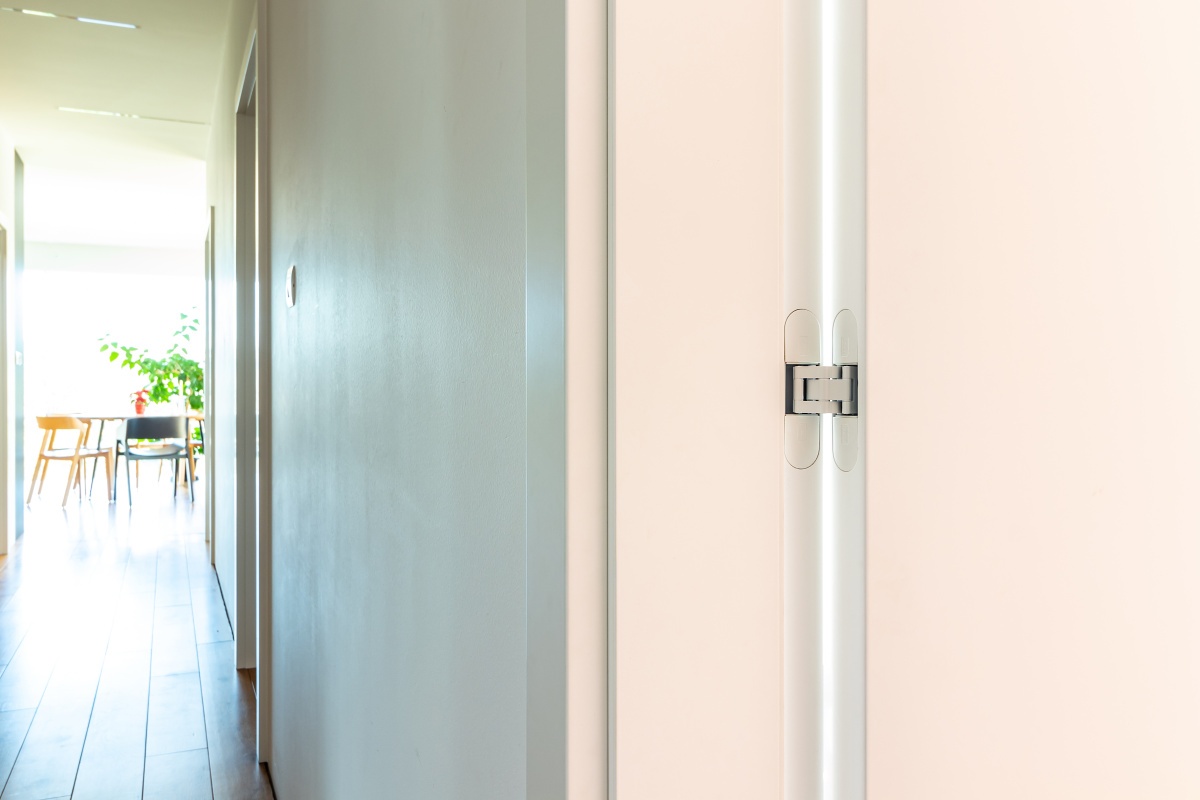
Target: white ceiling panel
[{"x": 112, "y": 179}]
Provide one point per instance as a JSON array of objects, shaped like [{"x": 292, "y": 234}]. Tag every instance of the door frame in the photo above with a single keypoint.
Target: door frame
[
  {"x": 264, "y": 295},
  {"x": 246, "y": 256},
  {"x": 824, "y": 207},
  {"x": 252, "y": 621},
  {"x": 210, "y": 358},
  {"x": 567, "y": 441},
  {"x": 15, "y": 292},
  {"x": 10, "y": 493}
]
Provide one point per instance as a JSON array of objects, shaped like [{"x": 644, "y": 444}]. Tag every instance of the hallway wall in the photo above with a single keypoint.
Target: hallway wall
[
  {"x": 8, "y": 179},
  {"x": 8, "y": 210},
  {"x": 397, "y": 169}
]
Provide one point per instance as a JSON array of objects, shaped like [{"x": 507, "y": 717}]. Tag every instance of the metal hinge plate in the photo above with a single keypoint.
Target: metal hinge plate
[
  {"x": 822, "y": 390},
  {"x": 813, "y": 390}
]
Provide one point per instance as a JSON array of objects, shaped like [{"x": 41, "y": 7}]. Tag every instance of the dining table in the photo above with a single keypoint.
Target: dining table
[{"x": 104, "y": 416}]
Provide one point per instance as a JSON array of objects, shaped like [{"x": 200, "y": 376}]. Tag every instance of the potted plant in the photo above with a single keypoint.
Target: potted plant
[
  {"x": 173, "y": 375},
  {"x": 140, "y": 401}
]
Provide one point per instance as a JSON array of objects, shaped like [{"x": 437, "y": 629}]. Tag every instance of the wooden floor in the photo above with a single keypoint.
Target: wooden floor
[{"x": 116, "y": 658}]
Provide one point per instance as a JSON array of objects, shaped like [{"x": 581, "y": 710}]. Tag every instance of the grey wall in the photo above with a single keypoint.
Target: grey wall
[{"x": 397, "y": 176}]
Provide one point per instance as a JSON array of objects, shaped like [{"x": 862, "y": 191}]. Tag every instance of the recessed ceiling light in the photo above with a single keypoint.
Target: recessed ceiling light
[
  {"x": 92, "y": 111},
  {"x": 89, "y": 20},
  {"x": 123, "y": 115},
  {"x": 109, "y": 23}
]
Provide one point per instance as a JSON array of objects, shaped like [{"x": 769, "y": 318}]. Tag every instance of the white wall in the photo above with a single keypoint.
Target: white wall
[
  {"x": 397, "y": 169},
  {"x": 8, "y": 166},
  {"x": 1034, "y": 535},
  {"x": 151, "y": 201},
  {"x": 7, "y": 379},
  {"x": 97, "y": 259}
]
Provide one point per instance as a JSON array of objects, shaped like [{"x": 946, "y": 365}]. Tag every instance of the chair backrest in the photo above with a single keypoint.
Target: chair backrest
[
  {"x": 156, "y": 428},
  {"x": 61, "y": 423}
]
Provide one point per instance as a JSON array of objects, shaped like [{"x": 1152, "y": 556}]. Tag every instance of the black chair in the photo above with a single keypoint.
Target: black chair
[{"x": 172, "y": 445}]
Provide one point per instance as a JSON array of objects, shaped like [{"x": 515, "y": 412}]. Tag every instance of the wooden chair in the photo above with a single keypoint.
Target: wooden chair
[{"x": 77, "y": 454}]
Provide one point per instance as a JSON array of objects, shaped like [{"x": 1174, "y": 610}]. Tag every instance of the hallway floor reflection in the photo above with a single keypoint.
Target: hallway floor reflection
[{"x": 116, "y": 658}]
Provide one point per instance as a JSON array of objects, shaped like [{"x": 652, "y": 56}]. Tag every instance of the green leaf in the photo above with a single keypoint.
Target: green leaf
[
  {"x": 103, "y": 347},
  {"x": 173, "y": 375}
]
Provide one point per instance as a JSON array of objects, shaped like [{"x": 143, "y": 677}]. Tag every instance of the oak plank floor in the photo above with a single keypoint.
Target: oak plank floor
[
  {"x": 231, "y": 723},
  {"x": 117, "y": 677}
]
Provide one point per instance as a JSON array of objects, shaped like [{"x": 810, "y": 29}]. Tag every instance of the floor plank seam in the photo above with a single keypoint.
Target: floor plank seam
[
  {"x": 196, "y": 647},
  {"x": 150, "y": 677},
  {"x": 103, "y": 664},
  {"x": 37, "y": 707}
]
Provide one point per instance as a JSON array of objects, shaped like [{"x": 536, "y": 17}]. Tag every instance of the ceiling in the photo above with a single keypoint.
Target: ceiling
[{"x": 112, "y": 179}]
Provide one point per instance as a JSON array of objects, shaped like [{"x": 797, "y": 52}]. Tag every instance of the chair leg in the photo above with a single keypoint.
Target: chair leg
[
  {"x": 128, "y": 483},
  {"x": 191, "y": 476},
  {"x": 174, "y": 477},
  {"x": 33, "y": 481},
  {"x": 42, "y": 482},
  {"x": 38, "y": 465},
  {"x": 108, "y": 476},
  {"x": 71, "y": 478}
]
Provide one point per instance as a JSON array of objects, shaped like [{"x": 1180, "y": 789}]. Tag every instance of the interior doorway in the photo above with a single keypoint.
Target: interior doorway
[
  {"x": 242, "y": 563},
  {"x": 241, "y": 350}
]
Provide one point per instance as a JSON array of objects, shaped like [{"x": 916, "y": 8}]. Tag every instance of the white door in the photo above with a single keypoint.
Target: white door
[
  {"x": 993, "y": 589},
  {"x": 696, "y": 382},
  {"x": 737, "y": 617},
  {"x": 1033, "y": 268}
]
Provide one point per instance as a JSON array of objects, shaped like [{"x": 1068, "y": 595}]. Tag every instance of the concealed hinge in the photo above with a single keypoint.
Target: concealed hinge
[
  {"x": 822, "y": 390},
  {"x": 812, "y": 390}
]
